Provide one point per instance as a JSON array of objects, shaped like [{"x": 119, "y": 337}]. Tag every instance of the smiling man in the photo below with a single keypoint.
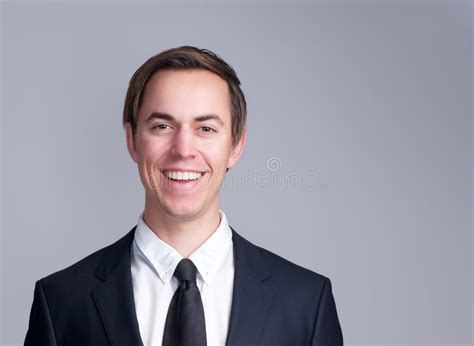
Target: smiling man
[
  {"x": 183, "y": 145},
  {"x": 183, "y": 275}
]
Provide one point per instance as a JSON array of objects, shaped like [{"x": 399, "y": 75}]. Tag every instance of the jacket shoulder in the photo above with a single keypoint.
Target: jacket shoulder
[
  {"x": 85, "y": 268},
  {"x": 283, "y": 270}
]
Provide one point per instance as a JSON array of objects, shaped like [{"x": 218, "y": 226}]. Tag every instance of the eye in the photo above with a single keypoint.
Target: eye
[
  {"x": 161, "y": 126},
  {"x": 207, "y": 129}
]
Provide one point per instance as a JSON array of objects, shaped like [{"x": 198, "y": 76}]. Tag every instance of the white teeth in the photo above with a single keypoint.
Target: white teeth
[{"x": 183, "y": 175}]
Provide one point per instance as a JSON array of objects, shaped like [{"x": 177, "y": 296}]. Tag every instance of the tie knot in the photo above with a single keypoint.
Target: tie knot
[{"x": 186, "y": 271}]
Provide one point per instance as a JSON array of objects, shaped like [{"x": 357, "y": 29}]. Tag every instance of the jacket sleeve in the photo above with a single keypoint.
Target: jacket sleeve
[
  {"x": 327, "y": 330},
  {"x": 40, "y": 328}
]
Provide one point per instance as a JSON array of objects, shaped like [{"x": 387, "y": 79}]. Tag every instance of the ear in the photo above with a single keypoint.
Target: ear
[
  {"x": 130, "y": 142},
  {"x": 237, "y": 149}
]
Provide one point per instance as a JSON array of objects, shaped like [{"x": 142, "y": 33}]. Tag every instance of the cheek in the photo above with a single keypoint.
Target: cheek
[
  {"x": 149, "y": 155},
  {"x": 219, "y": 162},
  {"x": 217, "y": 150},
  {"x": 147, "y": 173},
  {"x": 151, "y": 150}
]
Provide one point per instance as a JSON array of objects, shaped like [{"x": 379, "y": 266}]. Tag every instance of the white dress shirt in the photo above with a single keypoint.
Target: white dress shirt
[{"x": 153, "y": 263}]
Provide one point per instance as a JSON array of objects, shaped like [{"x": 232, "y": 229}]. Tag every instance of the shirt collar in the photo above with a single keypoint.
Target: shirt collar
[{"x": 164, "y": 258}]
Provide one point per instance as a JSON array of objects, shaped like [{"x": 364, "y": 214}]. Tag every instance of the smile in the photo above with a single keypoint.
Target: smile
[{"x": 183, "y": 176}]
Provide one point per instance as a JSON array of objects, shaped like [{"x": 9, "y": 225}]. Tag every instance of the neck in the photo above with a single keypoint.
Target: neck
[{"x": 185, "y": 235}]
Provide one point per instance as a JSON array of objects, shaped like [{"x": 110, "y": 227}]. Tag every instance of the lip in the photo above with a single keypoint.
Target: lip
[
  {"x": 176, "y": 169},
  {"x": 181, "y": 185}
]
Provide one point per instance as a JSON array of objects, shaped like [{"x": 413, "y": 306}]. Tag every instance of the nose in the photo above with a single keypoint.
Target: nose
[{"x": 183, "y": 144}]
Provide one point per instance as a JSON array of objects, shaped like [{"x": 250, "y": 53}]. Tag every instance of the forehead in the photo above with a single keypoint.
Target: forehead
[{"x": 186, "y": 92}]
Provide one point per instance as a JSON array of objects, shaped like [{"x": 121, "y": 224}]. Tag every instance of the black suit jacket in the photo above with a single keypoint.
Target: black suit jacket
[{"x": 275, "y": 302}]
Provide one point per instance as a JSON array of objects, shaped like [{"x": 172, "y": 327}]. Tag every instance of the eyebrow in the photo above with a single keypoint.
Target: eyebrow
[{"x": 168, "y": 117}]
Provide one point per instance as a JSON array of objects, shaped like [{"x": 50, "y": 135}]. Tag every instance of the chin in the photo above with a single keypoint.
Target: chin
[{"x": 183, "y": 212}]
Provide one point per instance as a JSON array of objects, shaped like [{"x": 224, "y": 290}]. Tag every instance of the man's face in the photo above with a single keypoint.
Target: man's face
[{"x": 184, "y": 125}]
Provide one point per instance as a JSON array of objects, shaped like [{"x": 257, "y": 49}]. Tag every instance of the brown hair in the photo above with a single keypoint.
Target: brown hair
[{"x": 183, "y": 58}]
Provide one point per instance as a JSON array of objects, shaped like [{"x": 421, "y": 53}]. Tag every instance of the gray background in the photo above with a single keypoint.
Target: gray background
[{"x": 371, "y": 100}]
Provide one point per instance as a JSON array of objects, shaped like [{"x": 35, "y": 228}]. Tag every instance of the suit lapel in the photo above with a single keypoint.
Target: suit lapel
[
  {"x": 252, "y": 294},
  {"x": 114, "y": 296},
  {"x": 251, "y": 299}
]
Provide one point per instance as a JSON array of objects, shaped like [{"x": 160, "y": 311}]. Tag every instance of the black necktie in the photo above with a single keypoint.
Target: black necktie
[{"x": 185, "y": 325}]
